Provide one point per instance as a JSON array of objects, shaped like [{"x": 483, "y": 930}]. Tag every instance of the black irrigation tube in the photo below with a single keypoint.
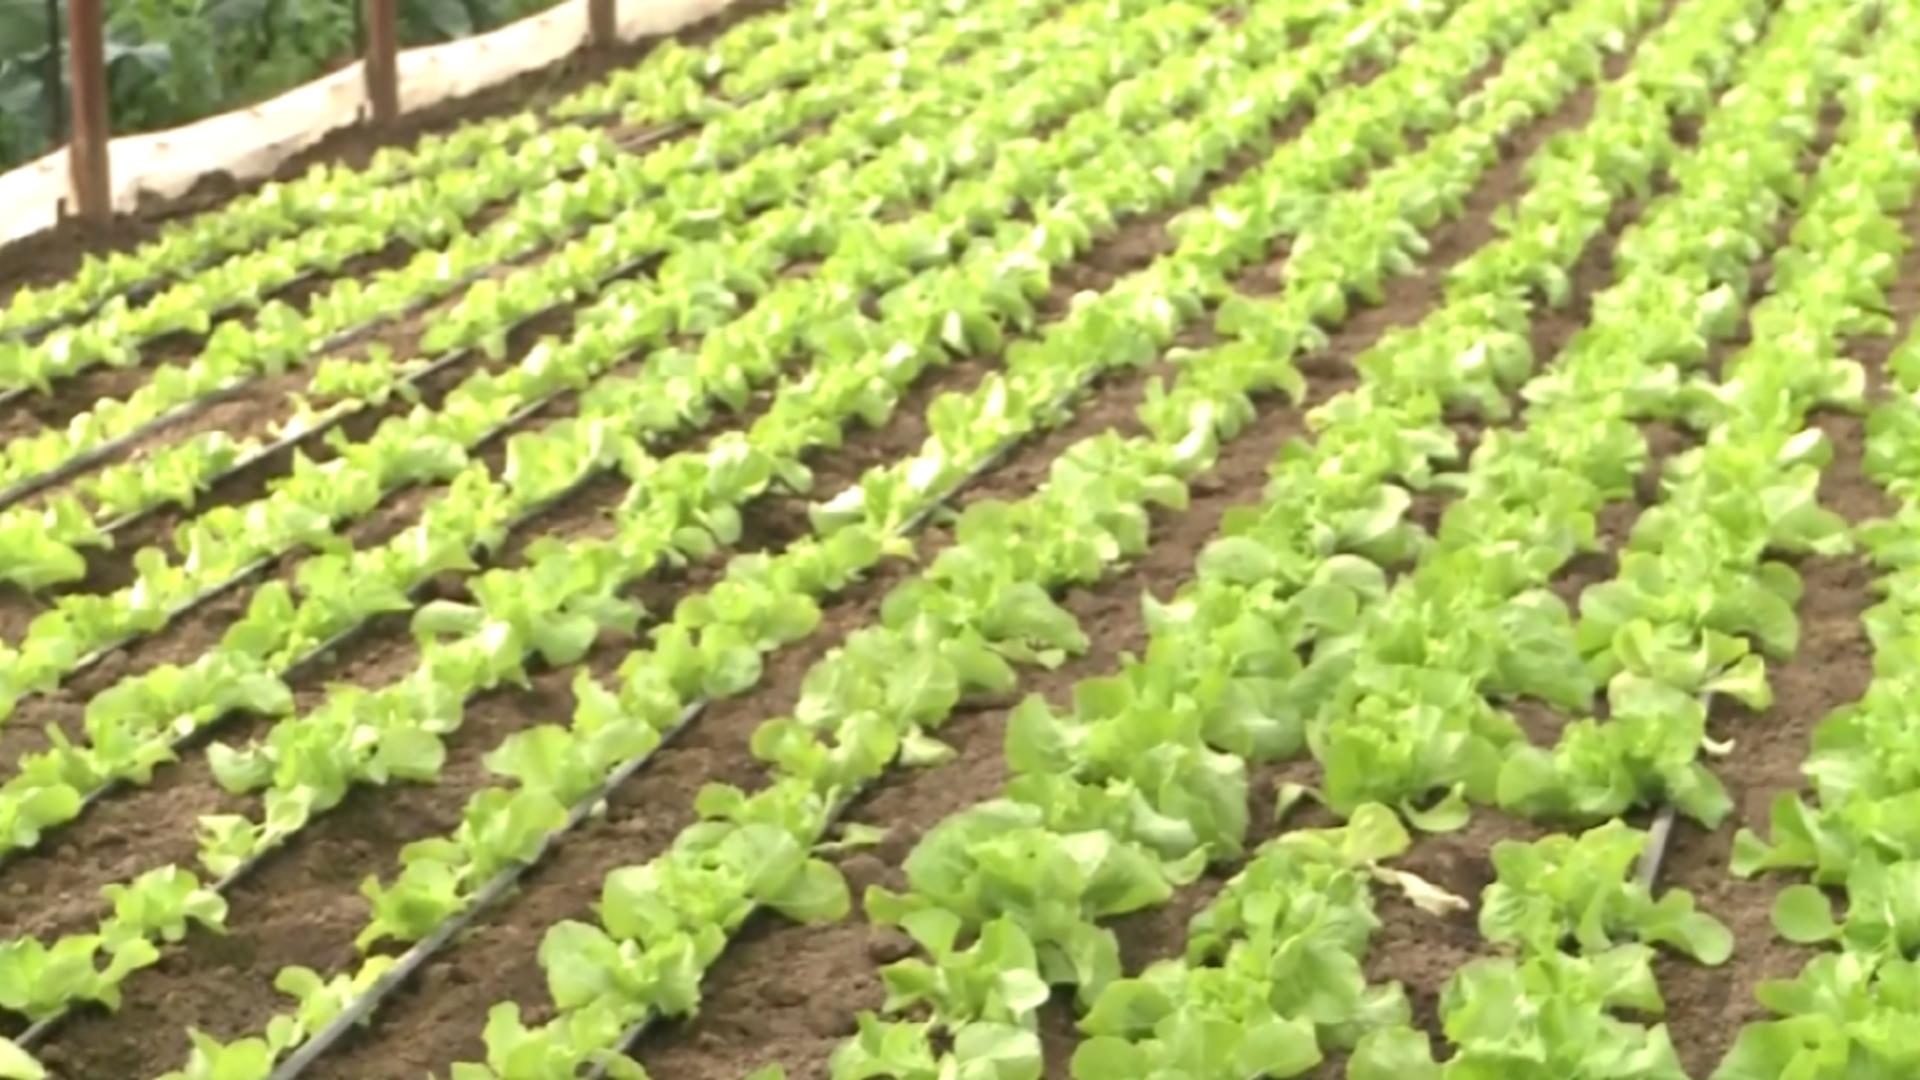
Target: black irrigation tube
[
  {"x": 147, "y": 288},
  {"x": 212, "y": 592},
  {"x": 1658, "y": 834},
  {"x": 503, "y": 882},
  {"x": 333, "y": 418},
  {"x": 639, "y": 1028},
  {"x": 589, "y": 804},
  {"x": 313, "y": 656},
  {"x": 318, "y": 652},
  {"x": 347, "y": 635},
  {"x": 337, "y": 415},
  {"x": 83, "y": 462},
  {"x": 1660, "y": 829},
  {"x": 346, "y": 409},
  {"x": 8, "y": 397},
  {"x": 73, "y": 467}
]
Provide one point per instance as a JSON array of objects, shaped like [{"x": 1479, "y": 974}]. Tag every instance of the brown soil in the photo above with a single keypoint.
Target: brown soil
[
  {"x": 146, "y": 822},
  {"x": 243, "y": 411},
  {"x": 285, "y": 890},
  {"x": 1419, "y": 949},
  {"x": 789, "y": 993},
  {"x": 1707, "y": 1006},
  {"x": 253, "y": 412}
]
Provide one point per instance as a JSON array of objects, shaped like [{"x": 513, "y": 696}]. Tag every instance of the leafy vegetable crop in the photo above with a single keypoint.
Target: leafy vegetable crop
[{"x": 716, "y": 463}]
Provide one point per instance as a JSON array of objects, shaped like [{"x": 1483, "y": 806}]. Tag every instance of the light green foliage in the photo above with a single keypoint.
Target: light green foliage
[{"x": 1583, "y": 890}]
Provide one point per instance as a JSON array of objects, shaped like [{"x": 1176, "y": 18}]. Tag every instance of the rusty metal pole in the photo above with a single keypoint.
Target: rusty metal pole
[
  {"x": 87, "y": 150},
  {"x": 382, "y": 59},
  {"x": 601, "y": 32}
]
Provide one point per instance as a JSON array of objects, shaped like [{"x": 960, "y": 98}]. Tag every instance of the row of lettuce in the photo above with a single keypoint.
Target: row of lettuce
[
  {"x": 556, "y": 604},
  {"x": 1272, "y": 970},
  {"x": 952, "y": 631},
  {"x": 565, "y": 235},
  {"x": 1393, "y": 667},
  {"x": 698, "y": 289},
  {"x": 1272, "y": 977},
  {"x": 1129, "y": 795},
  {"x": 1730, "y": 509},
  {"x": 1026, "y": 616},
  {"x": 308, "y": 763},
  {"x": 186, "y": 274},
  {"x": 1747, "y": 494},
  {"x": 565, "y": 232},
  {"x": 705, "y": 652},
  {"x": 1849, "y": 1010}
]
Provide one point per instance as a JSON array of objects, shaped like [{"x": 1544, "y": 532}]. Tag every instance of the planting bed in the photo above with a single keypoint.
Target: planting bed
[{"x": 1000, "y": 539}]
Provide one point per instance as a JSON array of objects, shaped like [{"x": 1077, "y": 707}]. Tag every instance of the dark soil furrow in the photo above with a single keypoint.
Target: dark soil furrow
[
  {"x": 196, "y": 631},
  {"x": 716, "y": 747},
  {"x": 1419, "y": 949},
  {"x": 199, "y": 629},
  {"x": 1705, "y": 1005},
  {"x": 153, "y": 824}
]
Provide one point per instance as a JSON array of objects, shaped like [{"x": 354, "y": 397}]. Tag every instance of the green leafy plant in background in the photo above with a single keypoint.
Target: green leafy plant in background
[{"x": 170, "y": 62}]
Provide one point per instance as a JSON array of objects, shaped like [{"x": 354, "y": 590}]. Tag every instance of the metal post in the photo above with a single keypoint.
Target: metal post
[
  {"x": 600, "y": 27},
  {"x": 87, "y": 151},
  {"x": 382, "y": 59}
]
